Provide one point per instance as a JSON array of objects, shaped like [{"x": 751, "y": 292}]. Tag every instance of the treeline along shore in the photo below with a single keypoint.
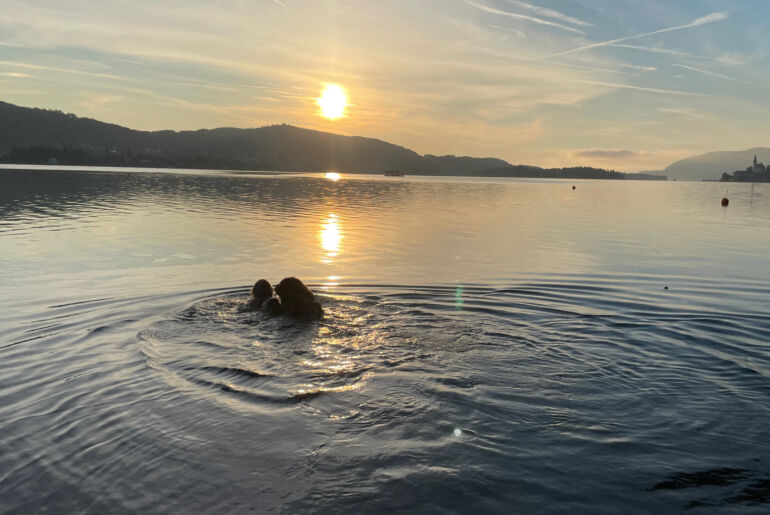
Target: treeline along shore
[{"x": 43, "y": 136}]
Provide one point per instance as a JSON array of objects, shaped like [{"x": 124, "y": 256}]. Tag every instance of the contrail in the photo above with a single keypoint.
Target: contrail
[
  {"x": 711, "y": 18},
  {"x": 523, "y": 17},
  {"x": 713, "y": 74},
  {"x": 641, "y": 88},
  {"x": 549, "y": 13}
]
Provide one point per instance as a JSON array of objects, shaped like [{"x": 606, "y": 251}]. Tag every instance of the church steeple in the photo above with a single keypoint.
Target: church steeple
[{"x": 755, "y": 160}]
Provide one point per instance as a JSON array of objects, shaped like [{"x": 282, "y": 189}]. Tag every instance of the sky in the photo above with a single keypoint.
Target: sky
[{"x": 625, "y": 84}]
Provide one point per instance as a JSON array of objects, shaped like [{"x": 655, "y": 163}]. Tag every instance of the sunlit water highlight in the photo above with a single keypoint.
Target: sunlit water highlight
[{"x": 488, "y": 345}]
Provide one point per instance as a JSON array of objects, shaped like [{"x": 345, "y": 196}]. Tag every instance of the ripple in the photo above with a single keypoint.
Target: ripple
[
  {"x": 466, "y": 362},
  {"x": 375, "y": 394}
]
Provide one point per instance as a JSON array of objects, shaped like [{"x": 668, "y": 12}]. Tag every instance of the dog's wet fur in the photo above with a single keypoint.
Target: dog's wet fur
[
  {"x": 296, "y": 299},
  {"x": 272, "y": 306}
]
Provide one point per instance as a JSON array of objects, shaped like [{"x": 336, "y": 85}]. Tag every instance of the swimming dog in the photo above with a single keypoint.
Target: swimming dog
[
  {"x": 260, "y": 292},
  {"x": 297, "y": 299}
]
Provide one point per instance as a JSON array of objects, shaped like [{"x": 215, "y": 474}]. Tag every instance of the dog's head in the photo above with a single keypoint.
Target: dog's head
[
  {"x": 293, "y": 292},
  {"x": 261, "y": 290}
]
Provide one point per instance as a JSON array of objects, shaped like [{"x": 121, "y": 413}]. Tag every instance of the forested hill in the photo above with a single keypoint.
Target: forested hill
[
  {"x": 39, "y": 136},
  {"x": 36, "y": 133}
]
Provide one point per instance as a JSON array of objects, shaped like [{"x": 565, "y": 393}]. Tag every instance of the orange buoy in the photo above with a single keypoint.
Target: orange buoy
[{"x": 725, "y": 201}]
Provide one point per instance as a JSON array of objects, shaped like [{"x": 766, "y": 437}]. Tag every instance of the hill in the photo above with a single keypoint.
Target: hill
[
  {"x": 710, "y": 166},
  {"x": 39, "y": 136}
]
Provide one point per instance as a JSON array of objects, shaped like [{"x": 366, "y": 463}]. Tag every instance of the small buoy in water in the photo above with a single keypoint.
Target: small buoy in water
[
  {"x": 725, "y": 201},
  {"x": 573, "y": 187},
  {"x": 665, "y": 287}
]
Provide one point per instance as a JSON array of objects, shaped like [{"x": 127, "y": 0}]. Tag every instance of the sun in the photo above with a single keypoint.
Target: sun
[{"x": 333, "y": 101}]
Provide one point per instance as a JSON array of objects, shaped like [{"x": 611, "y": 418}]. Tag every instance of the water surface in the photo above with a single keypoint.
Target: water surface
[{"x": 489, "y": 344}]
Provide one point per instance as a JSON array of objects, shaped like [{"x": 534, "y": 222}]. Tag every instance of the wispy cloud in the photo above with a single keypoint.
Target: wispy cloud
[
  {"x": 655, "y": 50},
  {"x": 681, "y": 112},
  {"x": 642, "y": 88},
  {"x": 624, "y": 159},
  {"x": 713, "y": 74},
  {"x": 549, "y": 13},
  {"x": 600, "y": 153},
  {"x": 735, "y": 59},
  {"x": 711, "y": 18},
  {"x": 516, "y": 32},
  {"x": 63, "y": 70},
  {"x": 524, "y": 17},
  {"x": 106, "y": 99},
  {"x": 280, "y": 3},
  {"x": 550, "y": 63},
  {"x": 638, "y": 67},
  {"x": 24, "y": 91},
  {"x": 99, "y": 102}
]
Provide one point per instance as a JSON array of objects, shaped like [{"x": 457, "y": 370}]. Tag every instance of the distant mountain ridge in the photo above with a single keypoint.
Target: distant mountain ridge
[
  {"x": 40, "y": 136},
  {"x": 712, "y": 165},
  {"x": 275, "y": 147}
]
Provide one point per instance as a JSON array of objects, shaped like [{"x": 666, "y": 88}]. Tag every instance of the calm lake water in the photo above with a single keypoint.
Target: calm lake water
[{"x": 489, "y": 345}]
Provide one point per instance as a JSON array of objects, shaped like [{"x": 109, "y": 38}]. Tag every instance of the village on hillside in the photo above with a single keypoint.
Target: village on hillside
[{"x": 755, "y": 173}]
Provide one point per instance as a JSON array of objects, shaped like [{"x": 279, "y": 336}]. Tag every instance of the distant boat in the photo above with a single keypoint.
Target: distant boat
[{"x": 393, "y": 173}]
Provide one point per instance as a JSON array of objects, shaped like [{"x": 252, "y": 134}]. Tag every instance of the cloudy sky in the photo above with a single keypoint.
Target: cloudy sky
[{"x": 628, "y": 84}]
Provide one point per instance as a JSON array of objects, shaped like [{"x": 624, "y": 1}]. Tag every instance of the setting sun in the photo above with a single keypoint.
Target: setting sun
[{"x": 332, "y": 102}]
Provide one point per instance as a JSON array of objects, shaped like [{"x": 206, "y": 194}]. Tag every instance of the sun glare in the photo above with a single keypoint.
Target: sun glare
[
  {"x": 332, "y": 102},
  {"x": 330, "y": 236}
]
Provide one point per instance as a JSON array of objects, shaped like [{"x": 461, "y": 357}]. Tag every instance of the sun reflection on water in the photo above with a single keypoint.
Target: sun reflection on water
[
  {"x": 330, "y": 236},
  {"x": 310, "y": 389},
  {"x": 329, "y": 363},
  {"x": 340, "y": 363}
]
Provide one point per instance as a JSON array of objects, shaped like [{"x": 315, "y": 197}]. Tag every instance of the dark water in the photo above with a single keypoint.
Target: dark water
[{"x": 489, "y": 345}]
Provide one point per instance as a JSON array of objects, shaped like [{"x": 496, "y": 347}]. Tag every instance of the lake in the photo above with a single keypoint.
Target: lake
[{"x": 489, "y": 345}]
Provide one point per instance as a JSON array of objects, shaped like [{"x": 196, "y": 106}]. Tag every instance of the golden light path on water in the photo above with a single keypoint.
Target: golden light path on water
[
  {"x": 331, "y": 355},
  {"x": 330, "y": 236}
]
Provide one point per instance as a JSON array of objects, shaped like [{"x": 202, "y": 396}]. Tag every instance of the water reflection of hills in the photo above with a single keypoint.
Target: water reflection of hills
[{"x": 59, "y": 192}]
